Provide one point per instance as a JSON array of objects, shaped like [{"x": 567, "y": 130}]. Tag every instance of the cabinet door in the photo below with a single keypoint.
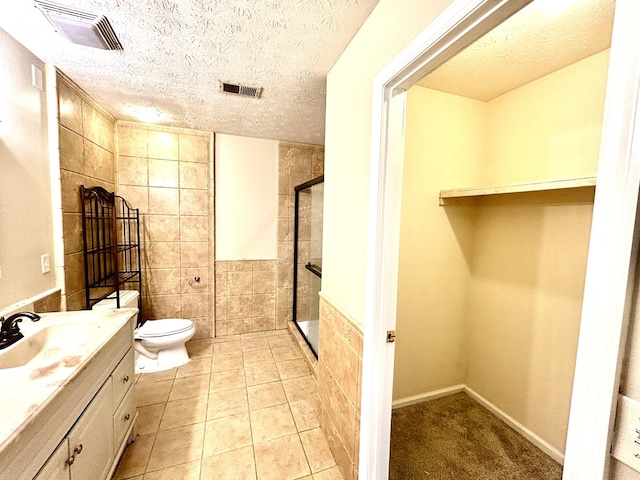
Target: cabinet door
[
  {"x": 91, "y": 439},
  {"x": 56, "y": 467}
]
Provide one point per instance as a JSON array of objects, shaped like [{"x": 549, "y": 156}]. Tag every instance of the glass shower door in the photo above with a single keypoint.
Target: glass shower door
[{"x": 307, "y": 265}]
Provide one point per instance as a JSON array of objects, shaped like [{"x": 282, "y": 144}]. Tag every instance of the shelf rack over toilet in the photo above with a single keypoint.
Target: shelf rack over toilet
[{"x": 111, "y": 242}]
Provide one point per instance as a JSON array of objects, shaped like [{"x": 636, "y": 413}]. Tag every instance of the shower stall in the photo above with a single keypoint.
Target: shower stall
[{"x": 307, "y": 255}]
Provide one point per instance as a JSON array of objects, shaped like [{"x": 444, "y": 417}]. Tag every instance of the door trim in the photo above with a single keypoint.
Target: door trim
[{"x": 605, "y": 308}]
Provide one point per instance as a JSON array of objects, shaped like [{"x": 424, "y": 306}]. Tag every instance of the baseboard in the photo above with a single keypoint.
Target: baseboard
[
  {"x": 425, "y": 397},
  {"x": 553, "y": 452},
  {"x": 543, "y": 445}
]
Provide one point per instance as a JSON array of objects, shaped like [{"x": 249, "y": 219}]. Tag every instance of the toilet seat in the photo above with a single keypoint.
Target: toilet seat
[{"x": 162, "y": 328}]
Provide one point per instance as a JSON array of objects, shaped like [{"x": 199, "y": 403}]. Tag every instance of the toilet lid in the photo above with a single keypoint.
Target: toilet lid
[{"x": 160, "y": 328}]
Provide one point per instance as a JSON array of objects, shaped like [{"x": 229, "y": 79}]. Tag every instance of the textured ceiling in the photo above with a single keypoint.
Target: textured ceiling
[
  {"x": 175, "y": 51},
  {"x": 529, "y": 45}
]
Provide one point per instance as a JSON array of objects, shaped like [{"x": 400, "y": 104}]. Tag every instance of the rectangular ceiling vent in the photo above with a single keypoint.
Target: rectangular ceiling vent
[
  {"x": 242, "y": 90},
  {"x": 80, "y": 26}
]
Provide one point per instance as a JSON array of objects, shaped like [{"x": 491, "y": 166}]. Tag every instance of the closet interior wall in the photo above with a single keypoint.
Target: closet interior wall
[{"x": 490, "y": 295}]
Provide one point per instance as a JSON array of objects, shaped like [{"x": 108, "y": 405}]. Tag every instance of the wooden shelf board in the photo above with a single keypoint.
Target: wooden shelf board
[{"x": 567, "y": 183}]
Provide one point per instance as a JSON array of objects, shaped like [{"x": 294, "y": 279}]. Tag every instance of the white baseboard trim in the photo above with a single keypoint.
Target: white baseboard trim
[
  {"x": 543, "y": 445},
  {"x": 425, "y": 397}
]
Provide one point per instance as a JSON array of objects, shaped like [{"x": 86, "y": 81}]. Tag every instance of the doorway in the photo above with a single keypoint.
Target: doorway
[{"x": 431, "y": 50}]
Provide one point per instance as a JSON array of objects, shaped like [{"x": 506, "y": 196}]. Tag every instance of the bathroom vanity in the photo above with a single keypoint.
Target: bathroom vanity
[{"x": 67, "y": 404}]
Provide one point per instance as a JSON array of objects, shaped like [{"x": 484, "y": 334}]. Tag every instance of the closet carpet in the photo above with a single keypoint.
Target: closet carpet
[{"x": 456, "y": 438}]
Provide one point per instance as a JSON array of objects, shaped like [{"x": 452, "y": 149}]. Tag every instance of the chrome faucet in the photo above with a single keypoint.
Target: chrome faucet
[{"x": 9, "y": 331}]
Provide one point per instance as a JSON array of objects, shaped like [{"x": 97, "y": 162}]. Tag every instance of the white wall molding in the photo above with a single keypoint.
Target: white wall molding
[
  {"x": 427, "y": 396},
  {"x": 535, "y": 439},
  {"x": 527, "y": 433}
]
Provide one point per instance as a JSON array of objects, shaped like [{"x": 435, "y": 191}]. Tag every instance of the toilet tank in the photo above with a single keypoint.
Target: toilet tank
[{"x": 128, "y": 299}]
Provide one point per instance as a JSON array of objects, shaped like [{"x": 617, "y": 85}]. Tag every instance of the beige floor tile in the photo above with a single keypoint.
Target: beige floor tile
[
  {"x": 198, "y": 366},
  {"x": 186, "y": 411},
  {"x": 317, "y": 450},
  {"x": 226, "y": 403},
  {"x": 150, "y": 393},
  {"x": 149, "y": 418},
  {"x": 227, "y": 362},
  {"x": 272, "y": 422},
  {"x": 258, "y": 356},
  {"x": 226, "y": 434},
  {"x": 281, "y": 341},
  {"x": 186, "y": 471},
  {"x": 300, "y": 388},
  {"x": 252, "y": 335},
  {"x": 227, "y": 338},
  {"x": 266, "y": 395},
  {"x": 261, "y": 373},
  {"x": 332, "y": 473},
  {"x": 200, "y": 348},
  {"x": 281, "y": 459},
  {"x": 281, "y": 354},
  {"x": 252, "y": 344},
  {"x": 157, "y": 376},
  {"x": 227, "y": 380},
  {"x": 292, "y": 369},
  {"x": 305, "y": 413},
  {"x": 234, "y": 465},
  {"x": 176, "y": 446},
  {"x": 136, "y": 455},
  {"x": 190, "y": 387},
  {"x": 227, "y": 348},
  {"x": 276, "y": 333}
]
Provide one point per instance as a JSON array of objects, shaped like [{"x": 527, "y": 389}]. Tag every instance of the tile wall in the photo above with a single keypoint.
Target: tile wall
[
  {"x": 256, "y": 295},
  {"x": 297, "y": 164},
  {"x": 168, "y": 174},
  {"x": 87, "y": 157},
  {"x": 339, "y": 384},
  {"x": 245, "y": 296}
]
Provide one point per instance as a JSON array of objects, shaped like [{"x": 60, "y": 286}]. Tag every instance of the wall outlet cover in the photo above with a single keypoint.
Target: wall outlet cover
[{"x": 626, "y": 446}]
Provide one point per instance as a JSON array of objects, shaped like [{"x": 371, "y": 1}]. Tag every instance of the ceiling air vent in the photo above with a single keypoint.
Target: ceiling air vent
[
  {"x": 80, "y": 26},
  {"x": 243, "y": 90}
]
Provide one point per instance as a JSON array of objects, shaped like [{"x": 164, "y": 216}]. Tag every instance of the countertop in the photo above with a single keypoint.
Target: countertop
[{"x": 27, "y": 390}]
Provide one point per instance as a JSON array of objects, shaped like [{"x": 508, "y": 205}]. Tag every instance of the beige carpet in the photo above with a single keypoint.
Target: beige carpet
[{"x": 456, "y": 438}]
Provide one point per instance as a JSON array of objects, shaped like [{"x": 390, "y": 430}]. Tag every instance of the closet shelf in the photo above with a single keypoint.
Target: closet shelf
[{"x": 541, "y": 186}]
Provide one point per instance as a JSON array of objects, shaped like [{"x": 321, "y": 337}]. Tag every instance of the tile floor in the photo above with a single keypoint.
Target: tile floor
[{"x": 245, "y": 407}]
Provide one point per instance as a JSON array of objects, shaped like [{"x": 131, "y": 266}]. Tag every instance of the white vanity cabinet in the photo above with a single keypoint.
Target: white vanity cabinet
[
  {"x": 86, "y": 453},
  {"x": 93, "y": 446},
  {"x": 69, "y": 414}
]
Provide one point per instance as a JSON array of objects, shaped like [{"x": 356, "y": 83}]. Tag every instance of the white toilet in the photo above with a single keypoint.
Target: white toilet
[{"x": 159, "y": 344}]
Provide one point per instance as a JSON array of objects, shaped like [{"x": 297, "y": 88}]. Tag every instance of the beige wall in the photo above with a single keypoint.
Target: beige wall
[
  {"x": 492, "y": 299},
  {"x": 543, "y": 139},
  {"x": 166, "y": 173},
  {"x": 389, "y": 28},
  {"x": 25, "y": 193},
  {"x": 87, "y": 157},
  {"x": 444, "y": 142},
  {"x": 246, "y": 198}
]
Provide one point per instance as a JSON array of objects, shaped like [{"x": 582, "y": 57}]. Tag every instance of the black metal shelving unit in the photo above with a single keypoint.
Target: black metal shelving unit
[{"x": 111, "y": 235}]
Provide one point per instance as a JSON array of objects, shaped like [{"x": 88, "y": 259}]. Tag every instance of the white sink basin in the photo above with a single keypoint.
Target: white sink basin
[{"x": 48, "y": 341}]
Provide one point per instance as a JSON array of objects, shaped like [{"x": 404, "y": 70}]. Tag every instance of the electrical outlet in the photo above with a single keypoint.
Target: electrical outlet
[
  {"x": 626, "y": 446},
  {"x": 46, "y": 264}
]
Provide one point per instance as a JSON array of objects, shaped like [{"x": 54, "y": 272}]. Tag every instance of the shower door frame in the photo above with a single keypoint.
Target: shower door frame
[{"x": 296, "y": 225}]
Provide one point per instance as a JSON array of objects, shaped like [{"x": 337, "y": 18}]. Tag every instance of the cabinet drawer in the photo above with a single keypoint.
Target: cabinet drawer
[
  {"x": 123, "y": 417},
  {"x": 123, "y": 377}
]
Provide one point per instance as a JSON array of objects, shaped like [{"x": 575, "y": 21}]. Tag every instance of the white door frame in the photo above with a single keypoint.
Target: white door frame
[{"x": 610, "y": 271}]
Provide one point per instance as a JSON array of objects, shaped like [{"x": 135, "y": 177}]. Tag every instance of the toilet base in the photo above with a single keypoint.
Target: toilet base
[{"x": 167, "y": 359}]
